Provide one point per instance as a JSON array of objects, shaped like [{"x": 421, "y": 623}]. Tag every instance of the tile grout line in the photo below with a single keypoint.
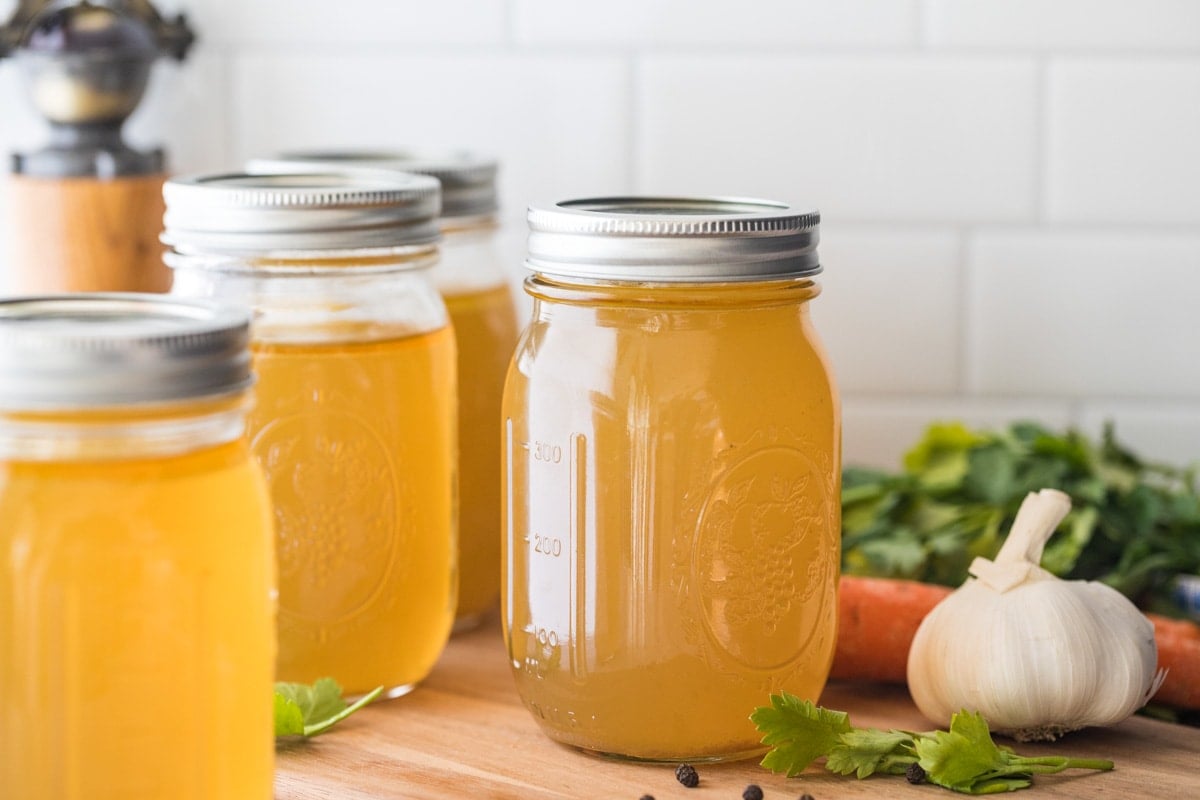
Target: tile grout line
[
  {"x": 510, "y": 26},
  {"x": 966, "y": 325},
  {"x": 921, "y": 47},
  {"x": 1041, "y": 140},
  {"x": 228, "y": 57},
  {"x": 921, "y": 25},
  {"x": 634, "y": 123}
]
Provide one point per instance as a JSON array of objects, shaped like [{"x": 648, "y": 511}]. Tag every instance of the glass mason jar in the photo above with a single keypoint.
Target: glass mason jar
[
  {"x": 137, "y": 636},
  {"x": 472, "y": 281},
  {"x": 354, "y": 423},
  {"x": 672, "y": 475}
]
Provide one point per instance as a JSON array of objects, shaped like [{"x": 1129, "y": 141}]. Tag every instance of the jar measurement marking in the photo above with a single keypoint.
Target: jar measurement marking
[
  {"x": 547, "y": 545},
  {"x": 543, "y": 451},
  {"x": 509, "y": 527},
  {"x": 581, "y": 604},
  {"x": 559, "y": 469}
]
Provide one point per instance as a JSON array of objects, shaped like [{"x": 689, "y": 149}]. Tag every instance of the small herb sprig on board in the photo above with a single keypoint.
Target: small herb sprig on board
[
  {"x": 303, "y": 710},
  {"x": 963, "y": 759},
  {"x": 1134, "y": 525}
]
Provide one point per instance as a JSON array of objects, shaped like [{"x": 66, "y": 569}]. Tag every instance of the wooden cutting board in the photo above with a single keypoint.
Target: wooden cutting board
[{"x": 465, "y": 734}]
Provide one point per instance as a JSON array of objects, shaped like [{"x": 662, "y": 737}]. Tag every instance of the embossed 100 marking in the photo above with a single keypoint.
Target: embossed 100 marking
[
  {"x": 544, "y": 451},
  {"x": 547, "y": 545}
]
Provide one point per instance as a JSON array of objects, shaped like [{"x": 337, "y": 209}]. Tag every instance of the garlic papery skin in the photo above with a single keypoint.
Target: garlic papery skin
[{"x": 1037, "y": 656}]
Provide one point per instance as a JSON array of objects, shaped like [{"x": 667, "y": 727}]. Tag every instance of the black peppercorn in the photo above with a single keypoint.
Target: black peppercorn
[
  {"x": 806, "y": 796},
  {"x": 914, "y": 773},
  {"x": 646, "y": 797},
  {"x": 753, "y": 792},
  {"x": 687, "y": 775}
]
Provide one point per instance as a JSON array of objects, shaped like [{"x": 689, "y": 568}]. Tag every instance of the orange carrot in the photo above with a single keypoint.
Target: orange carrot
[
  {"x": 878, "y": 618},
  {"x": 1179, "y": 653}
]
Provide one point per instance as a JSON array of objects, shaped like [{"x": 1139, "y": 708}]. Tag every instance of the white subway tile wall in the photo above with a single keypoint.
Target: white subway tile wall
[
  {"x": 307, "y": 25},
  {"x": 1123, "y": 142},
  {"x": 656, "y": 23},
  {"x": 1084, "y": 315},
  {"x": 559, "y": 123},
  {"x": 1010, "y": 188},
  {"x": 880, "y": 137},
  {"x": 194, "y": 91},
  {"x": 1063, "y": 24},
  {"x": 906, "y": 283}
]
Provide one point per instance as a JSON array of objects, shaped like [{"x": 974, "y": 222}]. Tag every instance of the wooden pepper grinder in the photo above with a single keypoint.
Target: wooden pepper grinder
[{"x": 88, "y": 208}]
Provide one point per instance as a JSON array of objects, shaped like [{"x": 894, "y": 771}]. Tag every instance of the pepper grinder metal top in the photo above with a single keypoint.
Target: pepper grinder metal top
[{"x": 87, "y": 65}]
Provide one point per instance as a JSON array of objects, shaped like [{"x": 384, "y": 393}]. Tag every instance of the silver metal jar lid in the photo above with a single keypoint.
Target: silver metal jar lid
[
  {"x": 672, "y": 239},
  {"x": 300, "y": 213},
  {"x": 468, "y": 179},
  {"x": 95, "y": 350}
]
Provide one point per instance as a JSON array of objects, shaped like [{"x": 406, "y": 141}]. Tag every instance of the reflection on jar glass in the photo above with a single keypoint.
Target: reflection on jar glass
[
  {"x": 136, "y": 570},
  {"x": 672, "y": 475},
  {"x": 355, "y": 419},
  {"x": 471, "y": 279}
]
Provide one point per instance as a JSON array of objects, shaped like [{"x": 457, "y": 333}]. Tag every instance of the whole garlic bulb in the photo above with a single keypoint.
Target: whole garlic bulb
[{"x": 1036, "y": 655}]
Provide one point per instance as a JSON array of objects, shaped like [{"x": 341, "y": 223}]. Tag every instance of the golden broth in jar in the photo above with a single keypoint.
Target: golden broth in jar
[
  {"x": 124, "y": 656},
  {"x": 356, "y": 439},
  {"x": 672, "y": 502},
  {"x": 355, "y": 421},
  {"x": 485, "y": 327},
  {"x": 473, "y": 283},
  {"x": 136, "y": 569}
]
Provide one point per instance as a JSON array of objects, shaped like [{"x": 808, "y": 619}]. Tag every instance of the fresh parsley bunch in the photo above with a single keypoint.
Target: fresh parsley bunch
[
  {"x": 963, "y": 759},
  {"x": 1134, "y": 525}
]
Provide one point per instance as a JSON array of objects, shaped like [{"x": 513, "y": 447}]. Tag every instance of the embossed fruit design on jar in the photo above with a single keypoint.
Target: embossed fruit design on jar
[
  {"x": 354, "y": 423},
  {"x": 471, "y": 278},
  {"x": 672, "y": 446}
]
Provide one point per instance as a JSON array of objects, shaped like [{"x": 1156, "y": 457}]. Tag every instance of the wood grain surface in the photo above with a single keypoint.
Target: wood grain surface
[
  {"x": 87, "y": 235},
  {"x": 464, "y": 733}
]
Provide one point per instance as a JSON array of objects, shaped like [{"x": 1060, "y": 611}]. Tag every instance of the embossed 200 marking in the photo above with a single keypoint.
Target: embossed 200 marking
[{"x": 547, "y": 545}]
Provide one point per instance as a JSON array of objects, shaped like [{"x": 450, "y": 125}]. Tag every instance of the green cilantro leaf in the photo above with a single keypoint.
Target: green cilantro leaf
[
  {"x": 992, "y": 473},
  {"x": 798, "y": 732},
  {"x": 901, "y": 554},
  {"x": 941, "y": 460},
  {"x": 302, "y": 710},
  {"x": 865, "y": 751},
  {"x": 289, "y": 719},
  {"x": 964, "y": 756}
]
